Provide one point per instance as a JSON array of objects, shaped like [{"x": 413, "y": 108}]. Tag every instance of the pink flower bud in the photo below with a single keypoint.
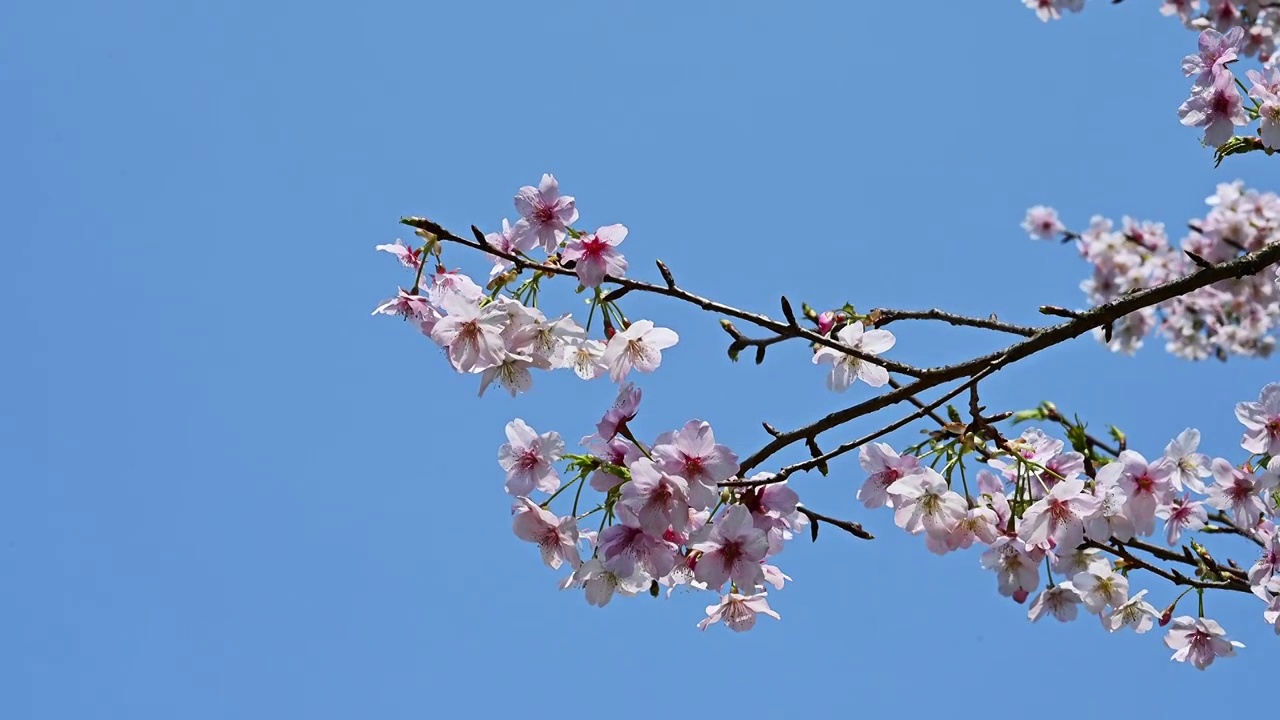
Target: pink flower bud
[{"x": 826, "y": 321}]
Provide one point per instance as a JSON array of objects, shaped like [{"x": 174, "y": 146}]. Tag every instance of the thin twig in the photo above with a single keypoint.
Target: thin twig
[{"x": 884, "y": 316}]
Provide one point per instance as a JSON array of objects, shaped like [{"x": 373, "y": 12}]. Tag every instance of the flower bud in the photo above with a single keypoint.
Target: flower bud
[{"x": 826, "y": 321}]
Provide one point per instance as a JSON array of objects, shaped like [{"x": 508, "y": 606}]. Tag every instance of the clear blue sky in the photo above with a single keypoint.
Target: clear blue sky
[{"x": 226, "y": 491}]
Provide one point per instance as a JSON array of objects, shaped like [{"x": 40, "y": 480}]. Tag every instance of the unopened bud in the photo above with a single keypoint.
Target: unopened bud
[
  {"x": 1167, "y": 616},
  {"x": 826, "y": 321}
]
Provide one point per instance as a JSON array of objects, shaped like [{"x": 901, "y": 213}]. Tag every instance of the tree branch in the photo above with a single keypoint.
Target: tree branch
[{"x": 1086, "y": 321}]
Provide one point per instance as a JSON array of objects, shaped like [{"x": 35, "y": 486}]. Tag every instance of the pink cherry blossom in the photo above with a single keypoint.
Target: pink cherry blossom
[
  {"x": 1262, "y": 422},
  {"x": 1238, "y": 491},
  {"x": 407, "y": 305},
  {"x": 545, "y": 215},
  {"x": 1060, "y": 516},
  {"x": 1110, "y": 520},
  {"x": 509, "y": 242},
  {"x": 1266, "y": 566},
  {"x": 405, "y": 254},
  {"x": 692, "y": 453},
  {"x": 600, "y": 583},
  {"x": 1182, "y": 514},
  {"x": 1061, "y": 601},
  {"x": 885, "y": 467},
  {"x": 1048, "y": 10},
  {"x": 1216, "y": 52},
  {"x": 923, "y": 503},
  {"x": 1219, "y": 109},
  {"x": 980, "y": 524},
  {"x": 1101, "y": 587},
  {"x": 1135, "y": 613},
  {"x": 1199, "y": 641},
  {"x": 846, "y": 369},
  {"x": 596, "y": 256},
  {"x": 1272, "y": 613},
  {"x": 732, "y": 548},
  {"x": 557, "y": 538},
  {"x": 624, "y": 410},
  {"x": 1146, "y": 486},
  {"x": 639, "y": 346},
  {"x": 453, "y": 286},
  {"x": 1185, "y": 465},
  {"x": 659, "y": 500},
  {"x": 472, "y": 334},
  {"x": 1043, "y": 223},
  {"x": 626, "y": 547},
  {"x": 617, "y": 451},
  {"x": 738, "y": 611},
  {"x": 585, "y": 357},
  {"x": 511, "y": 373},
  {"x": 1017, "y": 572},
  {"x": 529, "y": 459}
]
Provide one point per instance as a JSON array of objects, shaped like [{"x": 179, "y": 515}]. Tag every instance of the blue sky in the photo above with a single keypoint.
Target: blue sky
[{"x": 229, "y": 492}]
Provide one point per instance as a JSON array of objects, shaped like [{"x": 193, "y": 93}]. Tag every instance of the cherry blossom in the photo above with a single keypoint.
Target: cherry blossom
[
  {"x": 1199, "y": 641},
  {"x": 1059, "y": 516},
  {"x": 595, "y": 255},
  {"x": 1237, "y": 490},
  {"x": 585, "y": 357},
  {"x": 1062, "y": 601},
  {"x": 407, "y": 256},
  {"x": 529, "y": 459},
  {"x": 732, "y": 548},
  {"x": 1100, "y": 587},
  {"x": 1182, "y": 514},
  {"x": 545, "y": 215},
  {"x": 407, "y": 305},
  {"x": 509, "y": 242},
  {"x": 1185, "y": 465},
  {"x": 626, "y": 547},
  {"x": 1262, "y": 422},
  {"x": 885, "y": 467},
  {"x": 846, "y": 369},
  {"x": 1048, "y": 10},
  {"x": 557, "y": 538},
  {"x": 923, "y": 503},
  {"x": 1135, "y": 613},
  {"x": 1146, "y": 486},
  {"x": 1218, "y": 108},
  {"x": 1043, "y": 223},
  {"x": 1216, "y": 52},
  {"x": 624, "y": 410},
  {"x": 639, "y": 346},
  {"x": 738, "y": 611},
  {"x": 472, "y": 334},
  {"x": 659, "y": 500},
  {"x": 692, "y": 453},
  {"x": 600, "y": 583},
  {"x": 1017, "y": 571}
]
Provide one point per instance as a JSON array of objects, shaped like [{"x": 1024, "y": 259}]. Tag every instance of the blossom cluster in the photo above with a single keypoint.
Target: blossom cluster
[
  {"x": 1217, "y": 105},
  {"x": 1259, "y": 19},
  {"x": 1231, "y": 317},
  {"x": 663, "y": 519},
  {"x": 1038, "y": 504},
  {"x": 502, "y": 338}
]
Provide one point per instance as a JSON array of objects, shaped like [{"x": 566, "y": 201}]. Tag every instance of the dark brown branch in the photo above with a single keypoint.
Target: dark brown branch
[
  {"x": 1118, "y": 549},
  {"x": 883, "y": 316},
  {"x": 670, "y": 289},
  {"x": 1227, "y": 525},
  {"x": 924, "y": 411},
  {"x": 848, "y": 526},
  {"x": 1088, "y": 320}
]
